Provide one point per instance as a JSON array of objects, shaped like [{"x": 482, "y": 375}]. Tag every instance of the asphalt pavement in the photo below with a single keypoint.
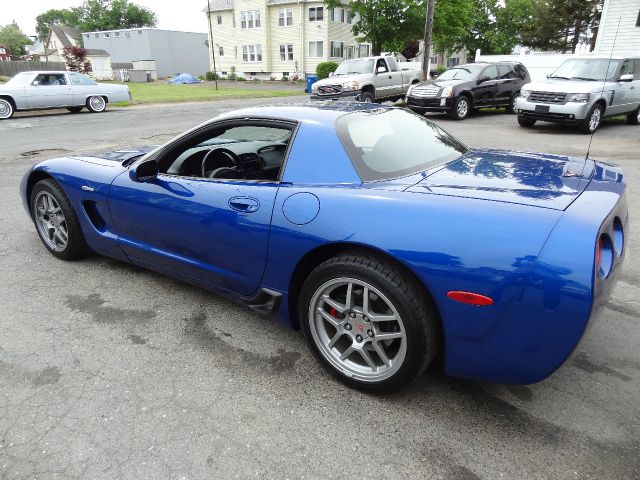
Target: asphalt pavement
[{"x": 108, "y": 371}]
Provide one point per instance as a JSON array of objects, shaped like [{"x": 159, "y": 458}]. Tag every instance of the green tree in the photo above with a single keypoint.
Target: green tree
[
  {"x": 97, "y": 15},
  {"x": 13, "y": 39}
]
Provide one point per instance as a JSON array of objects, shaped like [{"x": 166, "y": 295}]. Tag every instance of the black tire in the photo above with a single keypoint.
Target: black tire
[
  {"x": 418, "y": 314},
  {"x": 75, "y": 109},
  {"x": 526, "y": 122},
  {"x": 6, "y": 109},
  {"x": 96, "y": 104},
  {"x": 367, "y": 97},
  {"x": 633, "y": 118},
  {"x": 461, "y": 108},
  {"x": 587, "y": 126},
  {"x": 511, "y": 108},
  {"x": 76, "y": 246}
]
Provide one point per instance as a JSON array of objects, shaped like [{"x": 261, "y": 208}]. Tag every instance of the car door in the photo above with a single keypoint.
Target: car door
[
  {"x": 49, "y": 90},
  {"x": 211, "y": 230},
  {"x": 80, "y": 88},
  {"x": 507, "y": 84},
  {"x": 486, "y": 89},
  {"x": 396, "y": 77},
  {"x": 383, "y": 79}
]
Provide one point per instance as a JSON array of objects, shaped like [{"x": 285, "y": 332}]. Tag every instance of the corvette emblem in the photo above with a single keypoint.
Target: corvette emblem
[{"x": 360, "y": 326}]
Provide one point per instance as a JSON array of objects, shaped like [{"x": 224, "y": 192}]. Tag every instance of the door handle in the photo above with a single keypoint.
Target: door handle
[
  {"x": 390, "y": 77},
  {"x": 244, "y": 204}
]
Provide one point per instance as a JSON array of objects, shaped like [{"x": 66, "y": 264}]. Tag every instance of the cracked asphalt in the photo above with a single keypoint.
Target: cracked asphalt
[{"x": 108, "y": 371}]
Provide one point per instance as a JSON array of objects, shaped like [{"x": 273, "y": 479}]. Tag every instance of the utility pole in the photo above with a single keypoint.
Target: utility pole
[
  {"x": 426, "y": 54},
  {"x": 211, "y": 45}
]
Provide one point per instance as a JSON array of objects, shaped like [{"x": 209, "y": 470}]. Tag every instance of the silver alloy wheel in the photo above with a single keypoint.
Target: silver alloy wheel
[
  {"x": 638, "y": 115},
  {"x": 367, "y": 99},
  {"x": 594, "y": 121},
  {"x": 50, "y": 221},
  {"x": 6, "y": 109},
  {"x": 97, "y": 103},
  {"x": 463, "y": 108},
  {"x": 357, "y": 329}
]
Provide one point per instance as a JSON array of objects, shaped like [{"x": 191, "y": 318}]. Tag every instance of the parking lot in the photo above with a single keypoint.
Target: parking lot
[{"x": 108, "y": 371}]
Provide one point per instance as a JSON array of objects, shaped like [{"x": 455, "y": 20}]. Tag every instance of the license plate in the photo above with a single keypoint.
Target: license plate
[{"x": 542, "y": 108}]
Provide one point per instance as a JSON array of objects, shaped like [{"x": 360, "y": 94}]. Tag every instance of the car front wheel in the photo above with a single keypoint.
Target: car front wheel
[
  {"x": 593, "y": 119},
  {"x": 368, "y": 323},
  {"x": 633, "y": 118},
  {"x": 461, "y": 108},
  {"x": 526, "y": 122},
  {"x": 96, "y": 104},
  {"x": 6, "y": 109},
  {"x": 56, "y": 221}
]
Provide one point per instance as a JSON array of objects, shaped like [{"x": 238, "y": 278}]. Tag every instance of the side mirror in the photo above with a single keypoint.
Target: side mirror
[
  {"x": 35, "y": 83},
  {"x": 482, "y": 80},
  {"x": 381, "y": 70},
  {"x": 145, "y": 171},
  {"x": 627, "y": 77},
  {"x": 331, "y": 74}
]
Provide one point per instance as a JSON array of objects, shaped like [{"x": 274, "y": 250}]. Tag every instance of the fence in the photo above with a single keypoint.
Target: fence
[
  {"x": 121, "y": 71},
  {"x": 9, "y": 69},
  {"x": 539, "y": 64}
]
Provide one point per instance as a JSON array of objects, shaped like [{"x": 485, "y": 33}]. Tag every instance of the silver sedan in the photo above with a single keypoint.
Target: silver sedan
[{"x": 42, "y": 90}]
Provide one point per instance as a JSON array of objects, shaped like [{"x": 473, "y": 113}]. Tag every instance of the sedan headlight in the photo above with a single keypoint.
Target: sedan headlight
[
  {"x": 525, "y": 94},
  {"x": 579, "y": 97},
  {"x": 350, "y": 86},
  {"x": 314, "y": 88},
  {"x": 447, "y": 92}
]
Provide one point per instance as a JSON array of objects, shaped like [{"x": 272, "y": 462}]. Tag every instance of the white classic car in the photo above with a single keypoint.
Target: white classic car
[{"x": 42, "y": 90}]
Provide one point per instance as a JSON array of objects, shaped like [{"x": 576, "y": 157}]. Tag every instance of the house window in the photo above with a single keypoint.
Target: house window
[
  {"x": 352, "y": 52},
  {"x": 86, "y": 35},
  {"x": 316, "y": 49},
  {"x": 97, "y": 35},
  {"x": 219, "y": 19},
  {"x": 364, "y": 50},
  {"x": 316, "y": 14},
  {"x": 349, "y": 16},
  {"x": 337, "y": 15},
  {"x": 285, "y": 17},
  {"x": 107, "y": 35},
  {"x": 2, "y": 51},
  {"x": 221, "y": 51},
  {"x": 433, "y": 60},
  {"x": 116, "y": 34},
  {"x": 252, "y": 53},
  {"x": 337, "y": 49},
  {"x": 54, "y": 44},
  {"x": 286, "y": 52},
  {"x": 250, "y": 19},
  {"x": 452, "y": 62},
  {"x": 139, "y": 32}
]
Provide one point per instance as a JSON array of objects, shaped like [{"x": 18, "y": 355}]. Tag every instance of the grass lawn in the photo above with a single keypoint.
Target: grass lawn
[{"x": 159, "y": 92}]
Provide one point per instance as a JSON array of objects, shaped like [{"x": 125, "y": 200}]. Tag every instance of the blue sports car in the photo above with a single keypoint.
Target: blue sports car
[{"x": 385, "y": 239}]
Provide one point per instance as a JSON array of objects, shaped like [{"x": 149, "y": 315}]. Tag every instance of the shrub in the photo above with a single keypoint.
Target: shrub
[
  {"x": 232, "y": 76},
  {"x": 272, "y": 78},
  {"x": 241, "y": 79},
  {"x": 325, "y": 68},
  {"x": 201, "y": 77},
  {"x": 210, "y": 76},
  {"x": 284, "y": 79}
]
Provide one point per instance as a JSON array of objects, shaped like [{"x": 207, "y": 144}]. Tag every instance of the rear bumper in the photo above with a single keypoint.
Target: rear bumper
[
  {"x": 344, "y": 96},
  {"x": 429, "y": 104},
  {"x": 569, "y": 113}
]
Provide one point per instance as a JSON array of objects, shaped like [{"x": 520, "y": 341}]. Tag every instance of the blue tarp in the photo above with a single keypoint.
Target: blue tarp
[{"x": 184, "y": 78}]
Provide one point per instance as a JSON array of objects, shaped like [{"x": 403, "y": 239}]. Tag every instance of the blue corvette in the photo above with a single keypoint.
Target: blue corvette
[{"x": 382, "y": 237}]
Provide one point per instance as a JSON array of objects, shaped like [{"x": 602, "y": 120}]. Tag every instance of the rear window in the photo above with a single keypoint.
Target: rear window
[{"x": 385, "y": 144}]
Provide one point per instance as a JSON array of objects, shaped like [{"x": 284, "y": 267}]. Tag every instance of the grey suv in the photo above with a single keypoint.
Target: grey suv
[{"x": 582, "y": 91}]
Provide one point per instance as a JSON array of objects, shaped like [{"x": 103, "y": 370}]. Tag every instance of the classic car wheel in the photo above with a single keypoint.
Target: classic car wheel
[
  {"x": 633, "y": 118},
  {"x": 75, "y": 109},
  {"x": 593, "y": 120},
  {"x": 367, "y": 323},
  {"x": 96, "y": 104},
  {"x": 366, "y": 97},
  {"x": 56, "y": 221},
  {"x": 461, "y": 108},
  {"x": 526, "y": 122},
  {"x": 6, "y": 109}
]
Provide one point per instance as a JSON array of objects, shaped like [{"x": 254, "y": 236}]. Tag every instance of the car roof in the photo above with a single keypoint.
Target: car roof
[
  {"x": 307, "y": 113},
  {"x": 47, "y": 72}
]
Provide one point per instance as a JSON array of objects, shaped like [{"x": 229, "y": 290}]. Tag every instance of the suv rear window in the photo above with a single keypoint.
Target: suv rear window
[
  {"x": 391, "y": 143},
  {"x": 521, "y": 72}
]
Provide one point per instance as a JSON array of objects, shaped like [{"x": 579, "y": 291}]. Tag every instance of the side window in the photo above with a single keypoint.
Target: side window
[
  {"x": 637, "y": 69},
  {"x": 75, "y": 79},
  {"x": 520, "y": 72},
  {"x": 393, "y": 65},
  {"x": 490, "y": 72},
  {"x": 505, "y": 72},
  {"x": 50, "y": 79},
  {"x": 381, "y": 63},
  {"x": 240, "y": 151},
  {"x": 627, "y": 67}
]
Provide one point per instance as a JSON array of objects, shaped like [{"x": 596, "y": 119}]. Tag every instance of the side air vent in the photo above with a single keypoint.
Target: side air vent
[{"x": 94, "y": 215}]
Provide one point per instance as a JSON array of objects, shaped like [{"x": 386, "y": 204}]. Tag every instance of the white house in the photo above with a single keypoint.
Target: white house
[
  {"x": 626, "y": 13},
  {"x": 264, "y": 38}
]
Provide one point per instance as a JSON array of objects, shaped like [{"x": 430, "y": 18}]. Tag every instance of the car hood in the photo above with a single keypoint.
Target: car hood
[
  {"x": 547, "y": 181},
  {"x": 340, "y": 79},
  {"x": 565, "y": 86},
  {"x": 121, "y": 155}
]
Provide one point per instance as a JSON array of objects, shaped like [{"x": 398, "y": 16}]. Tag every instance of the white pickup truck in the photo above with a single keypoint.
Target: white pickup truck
[{"x": 370, "y": 79}]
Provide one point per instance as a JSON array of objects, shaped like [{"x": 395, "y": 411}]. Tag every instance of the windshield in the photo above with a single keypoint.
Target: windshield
[
  {"x": 355, "y": 66},
  {"x": 586, "y": 69},
  {"x": 385, "y": 144},
  {"x": 460, "y": 73},
  {"x": 20, "y": 79}
]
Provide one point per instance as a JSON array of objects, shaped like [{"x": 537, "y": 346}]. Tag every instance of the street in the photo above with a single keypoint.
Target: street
[{"x": 108, "y": 371}]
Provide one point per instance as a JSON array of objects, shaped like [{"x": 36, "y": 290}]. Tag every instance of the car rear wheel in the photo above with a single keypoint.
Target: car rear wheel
[
  {"x": 593, "y": 119},
  {"x": 526, "y": 122},
  {"x": 367, "y": 97},
  {"x": 6, "y": 109},
  {"x": 367, "y": 323},
  {"x": 96, "y": 104},
  {"x": 461, "y": 108},
  {"x": 56, "y": 221},
  {"x": 75, "y": 109},
  {"x": 633, "y": 118}
]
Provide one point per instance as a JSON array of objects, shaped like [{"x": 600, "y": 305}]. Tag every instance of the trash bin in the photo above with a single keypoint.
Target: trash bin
[{"x": 311, "y": 79}]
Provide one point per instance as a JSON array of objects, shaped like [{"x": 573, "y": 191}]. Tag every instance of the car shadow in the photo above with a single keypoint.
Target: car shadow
[{"x": 54, "y": 113}]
